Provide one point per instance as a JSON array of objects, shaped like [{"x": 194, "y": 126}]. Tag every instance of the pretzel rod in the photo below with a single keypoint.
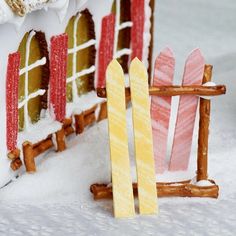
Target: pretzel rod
[
  {"x": 16, "y": 164},
  {"x": 14, "y": 154},
  {"x": 69, "y": 130},
  {"x": 67, "y": 122},
  {"x": 103, "y": 111},
  {"x": 60, "y": 138},
  {"x": 83, "y": 119},
  {"x": 79, "y": 123},
  {"x": 176, "y": 189},
  {"x": 31, "y": 151},
  {"x": 176, "y": 90},
  {"x": 89, "y": 119},
  {"x": 199, "y": 90},
  {"x": 204, "y": 123}
]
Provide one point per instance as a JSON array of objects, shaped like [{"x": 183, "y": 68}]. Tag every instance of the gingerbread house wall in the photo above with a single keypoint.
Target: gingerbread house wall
[{"x": 48, "y": 22}]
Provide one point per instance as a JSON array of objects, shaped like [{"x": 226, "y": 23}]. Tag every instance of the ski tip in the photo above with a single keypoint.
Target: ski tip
[
  {"x": 167, "y": 54},
  {"x": 135, "y": 60},
  {"x": 114, "y": 66},
  {"x": 136, "y": 64},
  {"x": 167, "y": 51},
  {"x": 194, "y": 68},
  {"x": 114, "y": 63},
  {"x": 196, "y": 53}
]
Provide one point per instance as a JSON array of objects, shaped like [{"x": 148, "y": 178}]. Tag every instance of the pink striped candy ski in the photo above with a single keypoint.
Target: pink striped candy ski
[
  {"x": 193, "y": 75},
  {"x": 161, "y": 107}
]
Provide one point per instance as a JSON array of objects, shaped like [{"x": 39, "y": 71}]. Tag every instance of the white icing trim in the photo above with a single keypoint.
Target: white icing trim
[
  {"x": 122, "y": 52},
  {"x": 26, "y": 113},
  {"x": 74, "y": 86},
  {"x": 202, "y": 183},
  {"x": 127, "y": 24},
  {"x": 117, "y": 25},
  {"x": 208, "y": 84},
  {"x": 32, "y": 5},
  {"x": 39, "y": 92},
  {"x": 25, "y": 71},
  {"x": 81, "y": 73},
  {"x": 40, "y": 62},
  {"x": 82, "y": 46},
  {"x": 146, "y": 34}
]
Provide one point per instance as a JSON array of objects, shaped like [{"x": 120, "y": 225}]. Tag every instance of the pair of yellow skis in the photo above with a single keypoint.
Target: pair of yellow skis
[{"x": 121, "y": 176}]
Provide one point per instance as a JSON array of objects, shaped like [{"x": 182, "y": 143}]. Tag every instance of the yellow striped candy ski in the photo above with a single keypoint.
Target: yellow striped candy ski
[
  {"x": 147, "y": 192},
  {"x": 123, "y": 198}
]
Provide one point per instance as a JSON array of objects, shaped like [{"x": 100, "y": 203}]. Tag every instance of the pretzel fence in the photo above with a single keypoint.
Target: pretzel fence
[{"x": 190, "y": 92}]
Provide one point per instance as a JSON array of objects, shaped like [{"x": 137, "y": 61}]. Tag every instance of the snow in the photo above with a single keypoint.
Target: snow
[
  {"x": 56, "y": 199},
  {"x": 83, "y": 103},
  {"x": 40, "y": 130}
]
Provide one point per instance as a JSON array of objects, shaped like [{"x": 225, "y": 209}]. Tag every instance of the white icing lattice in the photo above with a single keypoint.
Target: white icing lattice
[
  {"x": 25, "y": 71},
  {"x": 76, "y": 48}
]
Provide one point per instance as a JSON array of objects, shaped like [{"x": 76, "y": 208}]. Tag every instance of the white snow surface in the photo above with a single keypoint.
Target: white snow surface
[
  {"x": 56, "y": 199},
  {"x": 39, "y": 131}
]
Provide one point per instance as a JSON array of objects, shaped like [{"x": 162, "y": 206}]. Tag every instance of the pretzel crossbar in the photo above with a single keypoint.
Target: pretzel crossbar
[
  {"x": 175, "y": 90},
  {"x": 175, "y": 189}
]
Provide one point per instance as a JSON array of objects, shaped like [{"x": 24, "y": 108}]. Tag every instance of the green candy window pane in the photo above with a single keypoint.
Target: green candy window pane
[
  {"x": 85, "y": 58},
  {"x": 34, "y": 81}
]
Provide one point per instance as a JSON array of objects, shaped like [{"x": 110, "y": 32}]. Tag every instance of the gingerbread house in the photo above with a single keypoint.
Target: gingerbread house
[{"x": 53, "y": 58}]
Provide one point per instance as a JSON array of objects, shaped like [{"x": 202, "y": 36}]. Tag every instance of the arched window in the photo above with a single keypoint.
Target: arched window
[
  {"x": 122, "y": 10},
  {"x": 34, "y": 78},
  {"x": 81, "y": 55}
]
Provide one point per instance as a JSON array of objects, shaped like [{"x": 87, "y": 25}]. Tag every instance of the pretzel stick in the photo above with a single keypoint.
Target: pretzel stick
[
  {"x": 102, "y": 112},
  {"x": 60, "y": 138},
  {"x": 89, "y": 119},
  {"x": 204, "y": 122},
  {"x": 181, "y": 189},
  {"x": 16, "y": 164},
  {"x": 79, "y": 123},
  {"x": 28, "y": 152},
  {"x": 69, "y": 130},
  {"x": 84, "y": 119},
  {"x": 176, "y": 90},
  {"x": 14, "y": 154},
  {"x": 67, "y": 122}
]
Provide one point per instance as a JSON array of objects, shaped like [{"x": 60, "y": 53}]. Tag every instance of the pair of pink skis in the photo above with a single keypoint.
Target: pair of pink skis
[{"x": 161, "y": 110}]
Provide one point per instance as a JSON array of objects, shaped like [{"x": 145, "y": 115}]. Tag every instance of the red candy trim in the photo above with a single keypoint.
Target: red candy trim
[
  {"x": 106, "y": 48},
  {"x": 12, "y": 83},
  {"x": 137, "y": 31},
  {"x": 58, "y": 68}
]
